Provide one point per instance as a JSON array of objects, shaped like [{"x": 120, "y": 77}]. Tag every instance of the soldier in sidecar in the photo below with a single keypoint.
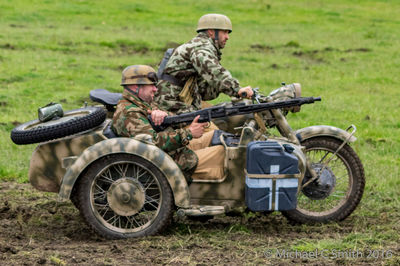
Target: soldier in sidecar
[{"x": 188, "y": 146}]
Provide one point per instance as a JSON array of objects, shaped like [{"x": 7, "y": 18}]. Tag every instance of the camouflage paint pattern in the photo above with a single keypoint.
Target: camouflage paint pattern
[
  {"x": 136, "y": 74},
  {"x": 132, "y": 146},
  {"x": 46, "y": 170},
  {"x": 130, "y": 119},
  {"x": 322, "y": 130},
  {"x": 197, "y": 58},
  {"x": 232, "y": 124},
  {"x": 286, "y": 92}
]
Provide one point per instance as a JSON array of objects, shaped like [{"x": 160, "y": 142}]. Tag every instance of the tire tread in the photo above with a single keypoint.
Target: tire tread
[{"x": 94, "y": 118}]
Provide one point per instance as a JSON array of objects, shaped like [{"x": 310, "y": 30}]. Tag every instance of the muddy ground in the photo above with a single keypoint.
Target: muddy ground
[{"x": 33, "y": 232}]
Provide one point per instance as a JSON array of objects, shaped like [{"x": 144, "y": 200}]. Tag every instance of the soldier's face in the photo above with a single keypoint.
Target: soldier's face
[
  {"x": 146, "y": 92},
  {"x": 223, "y": 37}
]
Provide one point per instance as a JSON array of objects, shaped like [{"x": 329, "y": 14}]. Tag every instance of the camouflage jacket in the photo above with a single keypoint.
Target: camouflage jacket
[
  {"x": 130, "y": 119},
  {"x": 199, "y": 58}
]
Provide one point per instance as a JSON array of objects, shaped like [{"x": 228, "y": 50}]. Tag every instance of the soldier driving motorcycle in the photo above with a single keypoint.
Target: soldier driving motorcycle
[
  {"x": 193, "y": 72},
  {"x": 187, "y": 146}
]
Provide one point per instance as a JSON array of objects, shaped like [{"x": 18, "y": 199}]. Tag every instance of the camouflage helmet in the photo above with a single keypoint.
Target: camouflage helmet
[
  {"x": 138, "y": 74},
  {"x": 214, "y": 21}
]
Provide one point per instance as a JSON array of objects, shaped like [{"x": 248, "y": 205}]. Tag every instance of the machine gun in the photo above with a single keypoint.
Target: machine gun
[{"x": 207, "y": 114}]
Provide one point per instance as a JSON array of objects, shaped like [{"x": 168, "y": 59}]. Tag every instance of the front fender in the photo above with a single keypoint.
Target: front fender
[
  {"x": 322, "y": 130},
  {"x": 127, "y": 145}
]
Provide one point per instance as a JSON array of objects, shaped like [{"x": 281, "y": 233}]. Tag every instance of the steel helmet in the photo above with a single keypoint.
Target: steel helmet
[
  {"x": 138, "y": 74},
  {"x": 214, "y": 21}
]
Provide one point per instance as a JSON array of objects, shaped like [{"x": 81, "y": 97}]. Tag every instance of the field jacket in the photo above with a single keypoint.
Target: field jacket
[{"x": 198, "y": 58}]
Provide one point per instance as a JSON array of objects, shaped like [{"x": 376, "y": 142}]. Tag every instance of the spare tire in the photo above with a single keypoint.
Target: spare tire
[{"x": 73, "y": 121}]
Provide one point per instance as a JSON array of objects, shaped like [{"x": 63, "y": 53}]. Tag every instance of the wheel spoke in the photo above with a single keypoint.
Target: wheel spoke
[
  {"x": 121, "y": 169},
  {"x": 136, "y": 222},
  {"x": 119, "y": 222},
  {"x": 150, "y": 200},
  {"x": 105, "y": 211},
  {"x": 337, "y": 196},
  {"x": 144, "y": 180},
  {"x": 148, "y": 184},
  {"x": 336, "y": 170},
  {"x": 112, "y": 219},
  {"x": 155, "y": 195},
  {"x": 146, "y": 216},
  {"x": 100, "y": 188},
  {"x": 139, "y": 174},
  {"x": 106, "y": 176},
  {"x": 99, "y": 193},
  {"x": 100, "y": 205},
  {"x": 151, "y": 204},
  {"x": 323, "y": 157},
  {"x": 99, "y": 196},
  {"x": 341, "y": 180}
]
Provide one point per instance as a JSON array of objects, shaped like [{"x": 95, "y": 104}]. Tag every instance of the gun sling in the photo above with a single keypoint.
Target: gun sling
[{"x": 172, "y": 80}]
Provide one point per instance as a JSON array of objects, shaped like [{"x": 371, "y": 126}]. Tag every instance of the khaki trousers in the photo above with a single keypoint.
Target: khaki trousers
[{"x": 211, "y": 159}]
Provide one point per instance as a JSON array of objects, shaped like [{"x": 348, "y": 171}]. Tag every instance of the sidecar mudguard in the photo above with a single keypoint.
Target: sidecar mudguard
[
  {"x": 322, "y": 130},
  {"x": 132, "y": 146}
]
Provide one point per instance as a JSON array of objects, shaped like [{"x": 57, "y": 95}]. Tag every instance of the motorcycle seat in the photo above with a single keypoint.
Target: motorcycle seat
[{"x": 108, "y": 99}]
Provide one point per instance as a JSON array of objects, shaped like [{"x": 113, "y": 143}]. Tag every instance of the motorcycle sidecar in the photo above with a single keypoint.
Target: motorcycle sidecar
[{"x": 129, "y": 187}]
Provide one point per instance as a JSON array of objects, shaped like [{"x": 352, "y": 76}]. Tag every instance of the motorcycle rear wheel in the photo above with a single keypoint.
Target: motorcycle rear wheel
[{"x": 338, "y": 191}]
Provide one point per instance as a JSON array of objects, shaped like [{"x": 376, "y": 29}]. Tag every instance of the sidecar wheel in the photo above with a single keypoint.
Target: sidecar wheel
[
  {"x": 340, "y": 187},
  {"x": 73, "y": 121},
  {"x": 124, "y": 196}
]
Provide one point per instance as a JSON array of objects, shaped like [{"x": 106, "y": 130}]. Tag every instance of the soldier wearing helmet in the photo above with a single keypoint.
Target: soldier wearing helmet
[
  {"x": 193, "y": 72},
  {"x": 130, "y": 119}
]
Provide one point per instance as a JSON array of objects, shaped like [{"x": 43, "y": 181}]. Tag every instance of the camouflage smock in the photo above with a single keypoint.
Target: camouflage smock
[
  {"x": 199, "y": 58},
  {"x": 130, "y": 119}
]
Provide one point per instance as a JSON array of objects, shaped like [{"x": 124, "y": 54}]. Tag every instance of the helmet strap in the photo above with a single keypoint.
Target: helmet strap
[
  {"x": 216, "y": 37},
  {"x": 132, "y": 91}
]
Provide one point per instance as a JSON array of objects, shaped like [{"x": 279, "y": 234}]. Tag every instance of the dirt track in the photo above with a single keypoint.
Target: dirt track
[{"x": 33, "y": 232}]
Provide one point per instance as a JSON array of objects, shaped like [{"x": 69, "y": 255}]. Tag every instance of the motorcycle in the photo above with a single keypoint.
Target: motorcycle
[{"x": 128, "y": 187}]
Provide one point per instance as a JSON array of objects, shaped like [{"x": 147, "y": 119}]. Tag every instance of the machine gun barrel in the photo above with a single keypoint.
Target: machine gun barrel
[{"x": 207, "y": 114}]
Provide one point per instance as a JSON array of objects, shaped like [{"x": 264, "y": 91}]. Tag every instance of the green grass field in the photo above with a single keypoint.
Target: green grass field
[{"x": 347, "y": 52}]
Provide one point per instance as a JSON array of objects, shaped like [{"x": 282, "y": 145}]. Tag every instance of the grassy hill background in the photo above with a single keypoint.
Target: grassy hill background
[{"x": 347, "y": 52}]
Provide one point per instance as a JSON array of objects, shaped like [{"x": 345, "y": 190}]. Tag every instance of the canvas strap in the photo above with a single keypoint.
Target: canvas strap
[
  {"x": 272, "y": 176},
  {"x": 186, "y": 95}
]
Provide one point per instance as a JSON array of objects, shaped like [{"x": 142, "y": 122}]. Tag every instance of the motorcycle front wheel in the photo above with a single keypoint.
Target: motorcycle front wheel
[{"x": 339, "y": 187}]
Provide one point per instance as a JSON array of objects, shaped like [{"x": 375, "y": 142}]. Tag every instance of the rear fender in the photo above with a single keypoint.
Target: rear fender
[
  {"x": 131, "y": 146},
  {"x": 322, "y": 130}
]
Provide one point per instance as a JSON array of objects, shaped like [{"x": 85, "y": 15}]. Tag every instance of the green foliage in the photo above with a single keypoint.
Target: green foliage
[{"x": 56, "y": 260}]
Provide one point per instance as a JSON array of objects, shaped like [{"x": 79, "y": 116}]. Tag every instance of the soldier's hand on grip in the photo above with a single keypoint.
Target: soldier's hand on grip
[
  {"x": 196, "y": 128},
  {"x": 157, "y": 116}
]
